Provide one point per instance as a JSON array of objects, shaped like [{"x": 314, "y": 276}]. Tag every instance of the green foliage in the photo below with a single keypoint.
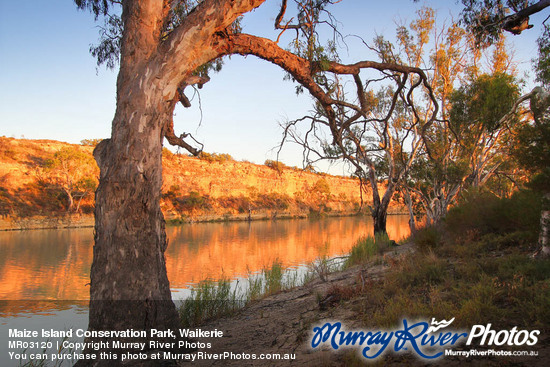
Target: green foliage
[
  {"x": 427, "y": 238},
  {"x": 532, "y": 150},
  {"x": 273, "y": 277},
  {"x": 68, "y": 159},
  {"x": 542, "y": 63},
  {"x": 483, "y": 213},
  {"x": 484, "y": 17},
  {"x": 366, "y": 248},
  {"x": 308, "y": 44},
  {"x": 484, "y": 101},
  {"x": 72, "y": 170},
  {"x": 272, "y": 200},
  {"x": 96, "y": 7},
  {"x": 213, "y": 299},
  {"x": 321, "y": 187},
  {"x": 107, "y": 51},
  {"x": 192, "y": 201},
  {"x": 240, "y": 203},
  {"x": 209, "y": 300},
  {"x": 487, "y": 274}
]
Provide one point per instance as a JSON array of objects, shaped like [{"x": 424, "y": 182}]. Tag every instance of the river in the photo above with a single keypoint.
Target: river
[{"x": 44, "y": 273}]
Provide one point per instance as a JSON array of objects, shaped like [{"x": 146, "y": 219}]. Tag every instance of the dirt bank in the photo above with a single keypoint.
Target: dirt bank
[{"x": 282, "y": 323}]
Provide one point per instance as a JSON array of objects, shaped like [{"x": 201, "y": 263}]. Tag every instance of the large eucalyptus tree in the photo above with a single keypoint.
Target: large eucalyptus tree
[{"x": 163, "y": 46}]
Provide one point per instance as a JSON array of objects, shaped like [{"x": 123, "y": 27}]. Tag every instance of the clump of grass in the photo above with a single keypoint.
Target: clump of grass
[
  {"x": 255, "y": 289},
  {"x": 419, "y": 270},
  {"x": 366, "y": 248},
  {"x": 273, "y": 278},
  {"x": 209, "y": 300}
]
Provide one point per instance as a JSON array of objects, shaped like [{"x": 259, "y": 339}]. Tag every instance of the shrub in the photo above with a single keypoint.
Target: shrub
[
  {"x": 427, "y": 238},
  {"x": 272, "y": 200},
  {"x": 193, "y": 201},
  {"x": 276, "y": 165},
  {"x": 90, "y": 142},
  {"x": 484, "y": 213},
  {"x": 215, "y": 157},
  {"x": 239, "y": 203},
  {"x": 321, "y": 187}
]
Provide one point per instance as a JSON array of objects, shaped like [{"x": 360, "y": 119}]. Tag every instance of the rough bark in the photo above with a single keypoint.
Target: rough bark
[
  {"x": 129, "y": 288},
  {"x": 544, "y": 234},
  {"x": 518, "y": 22},
  {"x": 379, "y": 216}
]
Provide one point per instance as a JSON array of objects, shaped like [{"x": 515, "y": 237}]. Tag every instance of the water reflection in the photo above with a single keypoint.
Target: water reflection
[
  {"x": 213, "y": 251},
  {"x": 45, "y": 264},
  {"x": 55, "y": 264}
]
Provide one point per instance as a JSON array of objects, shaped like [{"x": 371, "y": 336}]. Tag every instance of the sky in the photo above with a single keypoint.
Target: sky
[{"x": 50, "y": 87}]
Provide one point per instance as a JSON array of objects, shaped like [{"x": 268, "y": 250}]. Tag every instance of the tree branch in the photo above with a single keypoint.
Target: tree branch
[
  {"x": 190, "y": 44},
  {"x": 169, "y": 133},
  {"x": 178, "y": 141},
  {"x": 518, "y": 22},
  {"x": 303, "y": 71}
]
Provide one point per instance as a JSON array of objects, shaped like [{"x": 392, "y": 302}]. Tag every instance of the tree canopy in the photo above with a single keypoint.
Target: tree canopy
[{"x": 383, "y": 113}]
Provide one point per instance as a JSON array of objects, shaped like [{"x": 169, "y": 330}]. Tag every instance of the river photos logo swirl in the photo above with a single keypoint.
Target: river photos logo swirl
[{"x": 427, "y": 340}]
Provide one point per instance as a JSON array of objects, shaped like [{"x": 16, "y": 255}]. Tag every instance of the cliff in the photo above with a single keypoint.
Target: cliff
[{"x": 38, "y": 176}]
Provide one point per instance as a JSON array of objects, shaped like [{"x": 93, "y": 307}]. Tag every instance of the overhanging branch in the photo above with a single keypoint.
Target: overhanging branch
[{"x": 518, "y": 22}]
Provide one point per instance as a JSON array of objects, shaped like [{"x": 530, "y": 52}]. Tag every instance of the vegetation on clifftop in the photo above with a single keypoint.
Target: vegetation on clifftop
[{"x": 50, "y": 178}]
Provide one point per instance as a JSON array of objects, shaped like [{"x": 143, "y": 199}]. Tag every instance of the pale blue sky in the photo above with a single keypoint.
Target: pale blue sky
[{"x": 49, "y": 88}]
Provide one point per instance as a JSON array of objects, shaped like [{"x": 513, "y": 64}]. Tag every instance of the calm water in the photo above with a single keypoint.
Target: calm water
[
  {"x": 47, "y": 271},
  {"x": 55, "y": 264}
]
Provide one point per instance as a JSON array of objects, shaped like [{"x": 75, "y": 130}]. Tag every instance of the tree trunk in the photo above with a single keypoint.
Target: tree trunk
[
  {"x": 129, "y": 284},
  {"x": 70, "y": 200},
  {"x": 412, "y": 221},
  {"x": 544, "y": 243},
  {"x": 379, "y": 216},
  {"x": 78, "y": 203},
  {"x": 129, "y": 223},
  {"x": 380, "y": 210}
]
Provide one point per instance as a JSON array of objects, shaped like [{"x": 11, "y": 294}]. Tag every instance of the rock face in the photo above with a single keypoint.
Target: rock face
[
  {"x": 258, "y": 187},
  {"x": 212, "y": 187}
]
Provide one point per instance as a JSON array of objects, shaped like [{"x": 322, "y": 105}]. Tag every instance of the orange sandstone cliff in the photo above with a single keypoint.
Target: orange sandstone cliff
[{"x": 35, "y": 179}]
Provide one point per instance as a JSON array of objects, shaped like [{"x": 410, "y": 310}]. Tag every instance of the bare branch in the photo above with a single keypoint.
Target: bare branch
[{"x": 178, "y": 140}]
